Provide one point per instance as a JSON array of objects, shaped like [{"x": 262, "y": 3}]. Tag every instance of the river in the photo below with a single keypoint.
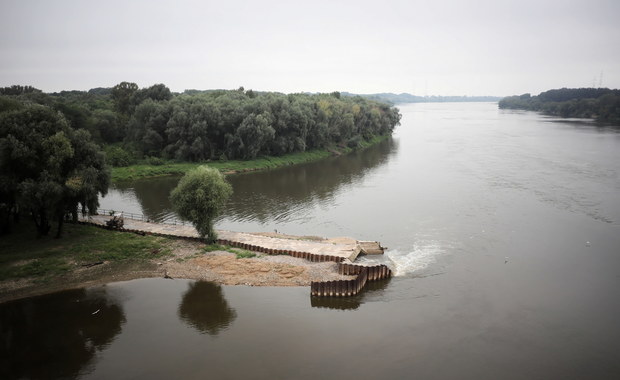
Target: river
[{"x": 503, "y": 229}]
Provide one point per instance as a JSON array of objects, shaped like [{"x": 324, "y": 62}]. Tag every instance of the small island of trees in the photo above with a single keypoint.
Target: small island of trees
[
  {"x": 56, "y": 148},
  {"x": 133, "y": 123},
  {"x": 602, "y": 104}
]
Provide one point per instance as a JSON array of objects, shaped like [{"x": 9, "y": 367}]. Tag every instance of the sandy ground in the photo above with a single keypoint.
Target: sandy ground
[{"x": 188, "y": 261}]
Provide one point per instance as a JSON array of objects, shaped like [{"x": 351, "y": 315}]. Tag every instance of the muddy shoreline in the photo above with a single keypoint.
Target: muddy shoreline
[{"x": 187, "y": 261}]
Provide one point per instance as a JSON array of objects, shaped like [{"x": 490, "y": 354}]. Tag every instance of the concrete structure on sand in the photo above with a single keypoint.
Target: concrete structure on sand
[{"x": 343, "y": 251}]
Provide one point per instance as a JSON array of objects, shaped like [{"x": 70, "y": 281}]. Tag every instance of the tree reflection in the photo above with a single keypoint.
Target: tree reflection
[
  {"x": 272, "y": 193},
  {"x": 204, "y": 308},
  {"x": 56, "y": 335},
  {"x": 152, "y": 194}
]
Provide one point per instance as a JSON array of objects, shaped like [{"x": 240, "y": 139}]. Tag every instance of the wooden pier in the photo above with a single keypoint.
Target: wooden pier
[{"x": 341, "y": 251}]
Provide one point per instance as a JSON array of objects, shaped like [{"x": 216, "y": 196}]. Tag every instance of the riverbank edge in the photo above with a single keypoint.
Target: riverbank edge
[
  {"x": 86, "y": 264},
  {"x": 174, "y": 267},
  {"x": 138, "y": 171}
]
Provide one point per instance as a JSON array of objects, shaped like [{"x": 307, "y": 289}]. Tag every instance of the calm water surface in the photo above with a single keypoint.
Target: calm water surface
[{"x": 503, "y": 229}]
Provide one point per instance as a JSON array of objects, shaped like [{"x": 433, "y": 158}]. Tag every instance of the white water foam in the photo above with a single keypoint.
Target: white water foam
[{"x": 404, "y": 262}]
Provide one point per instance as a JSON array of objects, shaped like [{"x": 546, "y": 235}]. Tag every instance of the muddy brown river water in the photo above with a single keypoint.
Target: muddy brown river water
[{"x": 503, "y": 228}]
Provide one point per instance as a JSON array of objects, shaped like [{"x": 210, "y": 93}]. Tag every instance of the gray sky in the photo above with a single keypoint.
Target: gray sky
[{"x": 431, "y": 47}]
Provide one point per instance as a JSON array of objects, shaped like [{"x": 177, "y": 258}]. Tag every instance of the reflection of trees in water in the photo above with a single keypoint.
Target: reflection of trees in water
[
  {"x": 57, "y": 335},
  {"x": 152, "y": 194},
  {"x": 350, "y": 303},
  {"x": 278, "y": 193},
  {"x": 205, "y": 308},
  {"x": 273, "y": 193}
]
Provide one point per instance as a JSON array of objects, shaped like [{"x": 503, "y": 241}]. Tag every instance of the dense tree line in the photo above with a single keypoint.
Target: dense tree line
[
  {"x": 136, "y": 123},
  {"x": 602, "y": 104},
  {"x": 51, "y": 159}
]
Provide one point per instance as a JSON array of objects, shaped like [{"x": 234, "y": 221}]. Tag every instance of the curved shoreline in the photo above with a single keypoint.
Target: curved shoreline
[{"x": 138, "y": 171}]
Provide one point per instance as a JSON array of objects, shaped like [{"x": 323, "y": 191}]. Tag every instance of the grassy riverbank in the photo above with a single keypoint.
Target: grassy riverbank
[
  {"x": 263, "y": 163},
  {"x": 42, "y": 259},
  {"x": 90, "y": 256}
]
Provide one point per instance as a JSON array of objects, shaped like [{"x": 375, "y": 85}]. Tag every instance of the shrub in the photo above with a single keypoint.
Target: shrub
[
  {"x": 199, "y": 198},
  {"x": 117, "y": 156}
]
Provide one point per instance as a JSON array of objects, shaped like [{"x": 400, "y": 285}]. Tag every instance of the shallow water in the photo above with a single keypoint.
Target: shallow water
[{"x": 503, "y": 228}]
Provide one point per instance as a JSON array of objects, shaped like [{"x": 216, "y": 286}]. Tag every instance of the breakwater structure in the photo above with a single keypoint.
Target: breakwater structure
[{"x": 342, "y": 251}]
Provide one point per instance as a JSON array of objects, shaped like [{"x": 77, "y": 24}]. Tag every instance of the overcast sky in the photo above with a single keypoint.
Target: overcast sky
[{"x": 429, "y": 47}]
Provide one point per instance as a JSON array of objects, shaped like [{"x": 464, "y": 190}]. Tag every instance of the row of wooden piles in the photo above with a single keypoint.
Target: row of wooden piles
[
  {"x": 337, "y": 288},
  {"x": 348, "y": 288},
  {"x": 315, "y": 258}
]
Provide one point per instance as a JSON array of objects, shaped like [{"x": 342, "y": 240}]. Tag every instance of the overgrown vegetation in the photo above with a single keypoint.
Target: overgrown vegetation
[
  {"x": 210, "y": 125},
  {"x": 171, "y": 167},
  {"x": 601, "y": 104},
  {"x": 55, "y": 148},
  {"x": 215, "y": 247},
  {"x": 46, "y": 257},
  {"x": 240, "y": 253},
  {"x": 47, "y": 169}
]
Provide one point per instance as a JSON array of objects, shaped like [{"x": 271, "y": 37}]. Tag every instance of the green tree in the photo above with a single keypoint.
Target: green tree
[
  {"x": 255, "y": 133},
  {"x": 47, "y": 168},
  {"x": 122, "y": 95},
  {"x": 108, "y": 125},
  {"x": 157, "y": 92},
  {"x": 199, "y": 197},
  {"x": 147, "y": 126},
  {"x": 18, "y": 90}
]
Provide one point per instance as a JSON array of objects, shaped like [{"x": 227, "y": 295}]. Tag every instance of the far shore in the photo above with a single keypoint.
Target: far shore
[{"x": 234, "y": 166}]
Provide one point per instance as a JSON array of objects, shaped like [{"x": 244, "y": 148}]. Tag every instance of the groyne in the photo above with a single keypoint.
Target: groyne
[
  {"x": 343, "y": 252},
  {"x": 347, "y": 288}
]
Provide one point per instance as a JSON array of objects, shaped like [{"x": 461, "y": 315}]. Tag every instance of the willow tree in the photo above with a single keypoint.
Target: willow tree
[
  {"x": 48, "y": 169},
  {"x": 199, "y": 197}
]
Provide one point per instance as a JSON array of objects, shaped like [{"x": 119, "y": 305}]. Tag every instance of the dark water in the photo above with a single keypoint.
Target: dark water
[{"x": 503, "y": 227}]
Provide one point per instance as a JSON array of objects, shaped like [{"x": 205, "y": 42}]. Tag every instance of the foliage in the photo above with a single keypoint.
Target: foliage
[
  {"x": 117, "y": 156},
  {"x": 9, "y": 104},
  {"x": 199, "y": 197},
  {"x": 602, "y": 104},
  {"x": 156, "y": 127},
  {"x": 47, "y": 168},
  {"x": 243, "y": 254},
  {"x": 155, "y": 161},
  {"x": 122, "y": 95},
  {"x": 18, "y": 90},
  {"x": 233, "y": 166},
  {"x": 239, "y": 253}
]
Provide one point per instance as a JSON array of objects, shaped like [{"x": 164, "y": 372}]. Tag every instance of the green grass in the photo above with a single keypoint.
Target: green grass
[
  {"x": 263, "y": 163},
  {"x": 240, "y": 253},
  {"x": 216, "y": 247},
  {"x": 243, "y": 254},
  {"x": 25, "y": 255},
  {"x": 171, "y": 168}
]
